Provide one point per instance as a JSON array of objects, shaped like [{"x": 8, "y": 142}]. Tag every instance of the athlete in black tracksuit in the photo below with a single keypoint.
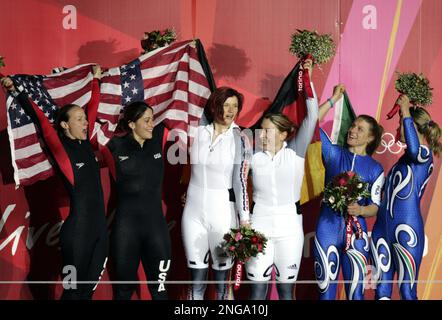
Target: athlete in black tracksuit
[
  {"x": 83, "y": 236},
  {"x": 140, "y": 230}
]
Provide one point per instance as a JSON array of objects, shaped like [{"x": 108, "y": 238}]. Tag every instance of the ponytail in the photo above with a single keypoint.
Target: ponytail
[{"x": 428, "y": 128}]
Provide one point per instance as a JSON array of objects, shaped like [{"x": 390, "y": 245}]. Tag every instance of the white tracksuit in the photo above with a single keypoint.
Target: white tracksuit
[{"x": 209, "y": 213}]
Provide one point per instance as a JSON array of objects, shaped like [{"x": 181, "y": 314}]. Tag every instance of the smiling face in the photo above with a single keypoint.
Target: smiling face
[
  {"x": 77, "y": 124},
  {"x": 230, "y": 111},
  {"x": 143, "y": 127},
  {"x": 271, "y": 137},
  {"x": 359, "y": 134}
]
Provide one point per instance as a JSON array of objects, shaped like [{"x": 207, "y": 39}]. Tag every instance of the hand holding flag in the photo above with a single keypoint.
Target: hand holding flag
[{"x": 172, "y": 80}]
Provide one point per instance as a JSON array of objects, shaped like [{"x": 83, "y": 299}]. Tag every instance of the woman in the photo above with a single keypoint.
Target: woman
[
  {"x": 139, "y": 232},
  {"x": 83, "y": 236},
  {"x": 277, "y": 174},
  {"x": 333, "y": 229},
  {"x": 398, "y": 235},
  {"x": 209, "y": 211}
]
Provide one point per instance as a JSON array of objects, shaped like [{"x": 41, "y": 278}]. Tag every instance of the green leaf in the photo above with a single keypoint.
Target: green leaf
[{"x": 416, "y": 87}]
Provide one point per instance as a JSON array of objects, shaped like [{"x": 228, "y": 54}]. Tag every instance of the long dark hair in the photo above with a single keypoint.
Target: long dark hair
[
  {"x": 63, "y": 115},
  {"x": 376, "y": 130},
  {"x": 215, "y": 105},
  {"x": 132, "y": 113}
]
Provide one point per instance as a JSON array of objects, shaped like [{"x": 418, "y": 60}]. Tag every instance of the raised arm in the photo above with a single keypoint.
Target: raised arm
[
  {"x": 49, "y": 134},
  {"x": 303, "y": 138},
  {"x": 92, "y": 106},
  {"x": 326, "y": 144},
  {"x": 241, "y": 167},
  {"x": 23, "y": 100},
  {"x": 327, "y": 105},
  {"x": 414, "y": 149}
]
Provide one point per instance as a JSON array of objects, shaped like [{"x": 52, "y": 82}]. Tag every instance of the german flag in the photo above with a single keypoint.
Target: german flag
[{"x": 290, "y": 100}]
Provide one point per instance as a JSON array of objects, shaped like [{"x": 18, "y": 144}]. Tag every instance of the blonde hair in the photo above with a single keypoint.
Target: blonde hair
[
  {"x": 282, "y": 123},
  {"x": 428, "y": 128}
]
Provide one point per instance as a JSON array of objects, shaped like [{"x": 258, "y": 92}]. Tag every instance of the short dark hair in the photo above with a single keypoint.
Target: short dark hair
[{"x": 215, "y": 105}]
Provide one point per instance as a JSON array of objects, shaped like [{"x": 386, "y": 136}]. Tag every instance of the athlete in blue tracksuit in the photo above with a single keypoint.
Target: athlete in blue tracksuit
[
  {"x": 330, "y": 241},
  {"x": 398, "y": 235}
]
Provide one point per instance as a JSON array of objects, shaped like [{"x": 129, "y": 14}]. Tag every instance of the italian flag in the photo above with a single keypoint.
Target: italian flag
[{"x": 344, "y": 117}]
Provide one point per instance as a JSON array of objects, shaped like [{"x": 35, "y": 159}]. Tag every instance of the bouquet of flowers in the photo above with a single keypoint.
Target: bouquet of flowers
[
  {"x": 157, "y": 39},
  {"x": 243, "y": 243},
  {"x": 344, "y": 189},
  {"x": 307, "y": 43},
  {"x": 416, "y": 87}
]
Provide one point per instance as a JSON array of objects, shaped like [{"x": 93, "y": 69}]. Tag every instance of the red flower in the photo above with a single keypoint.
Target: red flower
[
  {"x": 254, "y": 239},
  {"x": 259, "y": 247},
  {"x": 350, "y": 174},
  {"x": 232, "y": 248},
  {"x": 342, "y": 182}
]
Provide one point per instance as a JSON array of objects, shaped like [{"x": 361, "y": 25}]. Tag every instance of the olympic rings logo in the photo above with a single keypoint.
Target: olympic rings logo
[{"x": 388, "y": 143}]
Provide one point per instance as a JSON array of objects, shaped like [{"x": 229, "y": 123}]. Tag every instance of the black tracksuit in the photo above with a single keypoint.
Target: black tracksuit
[
  {"x": 83, "y": 236},
  {"x": 140, "y": 231}
]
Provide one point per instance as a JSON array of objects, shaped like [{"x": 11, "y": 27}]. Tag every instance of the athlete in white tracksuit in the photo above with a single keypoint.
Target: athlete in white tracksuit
[
  {"x": 277, "y": 181},
  {"x": 210, "y": 211}
]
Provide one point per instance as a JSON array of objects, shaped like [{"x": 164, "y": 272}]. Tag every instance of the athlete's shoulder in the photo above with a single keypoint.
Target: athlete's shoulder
[
  {"x": 157, "y": 136},
  {"x": 291, "y": 154},
  {"x": 243, "y": 133},
  {"x": 158, "y": 131},
  {"x": 259, "y": 155},
  {"x": 375, "y": 166},
  {"x": 118, "y": 139},
  {"x": 117, "y": 142}
]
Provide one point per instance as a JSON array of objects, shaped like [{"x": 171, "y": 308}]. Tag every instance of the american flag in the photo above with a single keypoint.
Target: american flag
[
  {"x": 29, "y": 161},
  {"x": 170, "y": 79}
]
